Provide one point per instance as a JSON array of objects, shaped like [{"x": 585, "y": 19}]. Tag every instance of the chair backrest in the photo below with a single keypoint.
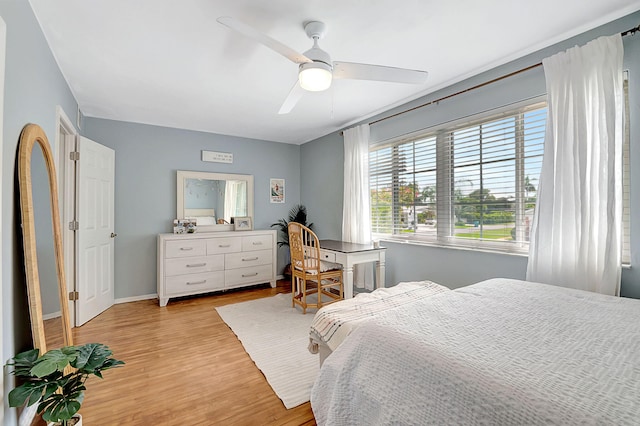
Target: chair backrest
[{"x": 304, "y": 247}]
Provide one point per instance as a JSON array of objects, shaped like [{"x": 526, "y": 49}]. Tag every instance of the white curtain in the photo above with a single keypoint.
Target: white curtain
[
  {"x": 576, "y": 234},
  {"x": 356, "y": 214},
  {"x": 235, "y": 199}
]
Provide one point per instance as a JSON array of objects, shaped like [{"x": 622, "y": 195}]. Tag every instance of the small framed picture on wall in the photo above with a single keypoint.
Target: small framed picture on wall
[{"x": 276, "y": 187}]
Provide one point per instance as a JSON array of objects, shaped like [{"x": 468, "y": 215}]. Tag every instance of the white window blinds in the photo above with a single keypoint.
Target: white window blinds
[
  {"x": 403, "y": 187},
  {"x": 468, "y": 184},
  {"x": 495, "y": 166}
]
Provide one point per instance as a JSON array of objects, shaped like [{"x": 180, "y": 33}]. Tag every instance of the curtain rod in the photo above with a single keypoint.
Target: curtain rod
[{"x": 623, "y": 34}]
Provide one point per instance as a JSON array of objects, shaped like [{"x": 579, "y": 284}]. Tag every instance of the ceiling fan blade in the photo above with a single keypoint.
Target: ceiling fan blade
[
  {"x": 356, "y": 71},
  {"x": 292, "y": 99},
  {"x": 271, "y": 43}
]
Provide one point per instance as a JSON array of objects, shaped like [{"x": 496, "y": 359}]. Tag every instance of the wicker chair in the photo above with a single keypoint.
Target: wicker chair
[{"x": 310, "y": 275}]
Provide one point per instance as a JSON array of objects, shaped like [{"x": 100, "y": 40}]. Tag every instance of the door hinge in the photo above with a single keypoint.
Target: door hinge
[
  {"x": 74, "y": 155},
  {"x": 74, "y": 225},
  {"x": 74, "y": 295}
]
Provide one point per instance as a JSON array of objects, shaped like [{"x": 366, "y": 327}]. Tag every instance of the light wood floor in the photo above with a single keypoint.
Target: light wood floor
[{"x": 184, "y": 366}]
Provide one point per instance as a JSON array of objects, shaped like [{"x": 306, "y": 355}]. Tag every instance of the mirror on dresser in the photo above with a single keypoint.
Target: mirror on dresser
[{"x": 212, "y": 197}]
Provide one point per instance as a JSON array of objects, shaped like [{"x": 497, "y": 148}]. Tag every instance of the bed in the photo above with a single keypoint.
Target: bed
[
  {"x": 334, "y": 322},
  {"x": 500, "y": 352},
  {"x": 203, "y": 217}
]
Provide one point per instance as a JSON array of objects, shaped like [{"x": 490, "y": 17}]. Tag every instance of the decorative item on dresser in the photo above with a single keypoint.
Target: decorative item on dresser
[
  {"x": 242, "y": 224},
  {"x": 201, "y": 263}
]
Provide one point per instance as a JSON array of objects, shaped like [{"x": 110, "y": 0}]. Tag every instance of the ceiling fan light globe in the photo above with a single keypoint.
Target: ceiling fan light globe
[{"x": 315, "y": 76}]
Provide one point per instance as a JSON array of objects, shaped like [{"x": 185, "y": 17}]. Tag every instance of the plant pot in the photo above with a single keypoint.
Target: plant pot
[
  {"x": 287, "y": 271},
  {"x": 77, "y": 417}
]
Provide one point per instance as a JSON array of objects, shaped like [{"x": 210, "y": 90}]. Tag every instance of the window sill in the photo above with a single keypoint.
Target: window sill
[
  {"x": 464, "y": 247},
  {"x": 438, "y": 244}
]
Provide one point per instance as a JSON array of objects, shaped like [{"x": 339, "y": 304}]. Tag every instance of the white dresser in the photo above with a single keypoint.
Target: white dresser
[{"x": 201, "y": 263}]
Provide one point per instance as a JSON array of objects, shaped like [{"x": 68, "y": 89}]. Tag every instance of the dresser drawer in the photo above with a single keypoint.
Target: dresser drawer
[
  {"x": 257, "y": 274},
  {"x": 256, "y": 242},
  {"x": 246, "y": 259},
  {"x": 185, "y": 248},
  {"x": 193, "y": 265},
  {"x": 223, "y": 245},
  {"x": 194, "y": 283}
]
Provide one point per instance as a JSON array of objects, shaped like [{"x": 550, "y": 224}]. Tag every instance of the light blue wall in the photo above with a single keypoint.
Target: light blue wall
[
  {"x": 33, "y": 88},
  {"x": 631, "y": 277},
  {"x": 455, "y": 267},
  {"x": 147, "y": 158},
  {"x": 321, "y": 164}
]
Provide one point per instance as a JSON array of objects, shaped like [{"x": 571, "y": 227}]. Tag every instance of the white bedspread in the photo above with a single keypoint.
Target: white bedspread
[
  {"x": 336, "y": 321},
  {"x": 500, "y": 352}
]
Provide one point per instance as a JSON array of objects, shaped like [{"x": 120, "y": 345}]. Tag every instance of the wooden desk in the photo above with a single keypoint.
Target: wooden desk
[{"x": 349, "y": 254}]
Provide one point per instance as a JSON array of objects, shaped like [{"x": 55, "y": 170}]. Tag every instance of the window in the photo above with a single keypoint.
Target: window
[
  {"x": 403, "y": 188},
  {"x": 473, "y": 184},
  {"x": 470, "y": 184}
]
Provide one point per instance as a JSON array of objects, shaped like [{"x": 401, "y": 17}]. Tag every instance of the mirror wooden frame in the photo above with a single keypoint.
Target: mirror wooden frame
[
  {"x": 32, "y": 134},
  {"x": 182, "y": 175}
]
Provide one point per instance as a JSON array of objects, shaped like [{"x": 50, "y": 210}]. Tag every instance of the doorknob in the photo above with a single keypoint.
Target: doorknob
[{"x": 113, "y": 235}]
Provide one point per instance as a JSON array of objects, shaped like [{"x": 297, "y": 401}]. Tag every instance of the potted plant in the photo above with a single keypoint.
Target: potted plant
[
  {"x": 56, "y": 379},
  {"x": 298, "y": 213}
]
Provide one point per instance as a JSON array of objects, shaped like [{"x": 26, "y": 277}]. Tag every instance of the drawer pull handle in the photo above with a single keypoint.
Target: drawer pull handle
[
  {"x": 224, "y": 245},
  {"x": 249, "y": 275},
  {"x": 196, "y": 282},
  {"x": 196, "y": 265},
  {"x": 250, "y": 260},
  {"x": 186, "y": 248},
  {"x": 257, "y": 243}
]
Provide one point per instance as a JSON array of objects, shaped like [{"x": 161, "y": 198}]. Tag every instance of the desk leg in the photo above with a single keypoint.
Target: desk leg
[
  {"x": 380, "y": 271},
  {"x": 347, "y": 278}
]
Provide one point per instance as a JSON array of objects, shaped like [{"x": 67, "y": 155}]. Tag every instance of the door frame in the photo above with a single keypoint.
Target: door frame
[{"x": 65, "y": 143}]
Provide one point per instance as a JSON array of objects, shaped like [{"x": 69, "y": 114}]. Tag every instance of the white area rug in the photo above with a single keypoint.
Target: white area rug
[{"x": 276, "y": 337}]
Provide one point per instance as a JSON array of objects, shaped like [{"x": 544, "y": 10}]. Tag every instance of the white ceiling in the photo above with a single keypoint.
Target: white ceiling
[{"x": 169, "y": 63}]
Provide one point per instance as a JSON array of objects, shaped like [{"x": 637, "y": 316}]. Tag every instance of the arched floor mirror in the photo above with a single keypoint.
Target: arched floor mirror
[{"x": 34, "y": 149}]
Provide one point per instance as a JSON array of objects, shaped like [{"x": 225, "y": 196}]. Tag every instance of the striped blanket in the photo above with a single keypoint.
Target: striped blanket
[{"x": 334, "y": 322}]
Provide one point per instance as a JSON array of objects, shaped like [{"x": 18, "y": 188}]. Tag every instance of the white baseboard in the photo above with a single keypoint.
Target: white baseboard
[
  {"x": 58, "y": 314},
  {"x": 128, "y": 299},
  {"x": 51, "y": 316},
  {"x": 135, "y": 298},
  {"x": 153, "y": 296}
]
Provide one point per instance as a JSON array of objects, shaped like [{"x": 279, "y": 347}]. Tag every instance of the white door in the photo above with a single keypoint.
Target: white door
[{"x": 95, "y": 235}]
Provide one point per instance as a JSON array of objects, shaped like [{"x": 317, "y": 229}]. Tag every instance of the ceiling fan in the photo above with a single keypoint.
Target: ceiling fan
[{"x": 315, "y": 68}]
